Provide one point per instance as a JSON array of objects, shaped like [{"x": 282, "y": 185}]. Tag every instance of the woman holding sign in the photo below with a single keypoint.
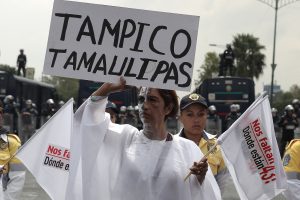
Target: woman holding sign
[{"x": 121, "y": 162}]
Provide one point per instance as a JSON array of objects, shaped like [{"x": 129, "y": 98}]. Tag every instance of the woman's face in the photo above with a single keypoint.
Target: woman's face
[
  {"x": 113, "y": 116},
  {"x": 152, "y": 108},
  {"x": 193, "y": 119}
]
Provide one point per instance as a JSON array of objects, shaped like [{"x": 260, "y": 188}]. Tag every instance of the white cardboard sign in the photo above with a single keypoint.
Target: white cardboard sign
[{"x": 102, "y": 43}]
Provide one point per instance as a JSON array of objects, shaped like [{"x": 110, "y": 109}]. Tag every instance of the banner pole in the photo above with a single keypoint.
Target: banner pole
[{"x": 205, "y": 156}]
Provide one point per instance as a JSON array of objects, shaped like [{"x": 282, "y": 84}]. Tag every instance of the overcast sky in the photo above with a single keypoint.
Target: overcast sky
[{"x": 25, "y": 24}]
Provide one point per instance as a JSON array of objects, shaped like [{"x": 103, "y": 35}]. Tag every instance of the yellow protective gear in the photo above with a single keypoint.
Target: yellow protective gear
[
  {"x": 291, "y": 160},
  {"x": 214, "y": 159},
  {"x": 8, "y": 148}
]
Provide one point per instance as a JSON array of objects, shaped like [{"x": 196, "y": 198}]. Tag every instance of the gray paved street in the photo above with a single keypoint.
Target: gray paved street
[{"x": 32, "y": 191}]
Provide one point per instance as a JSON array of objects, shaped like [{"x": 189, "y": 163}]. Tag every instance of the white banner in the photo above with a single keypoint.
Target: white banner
[
  {"x": 251, "y": 154},
  {"x": 46, "y": 154},
  {"x": 102, "y": 43}
]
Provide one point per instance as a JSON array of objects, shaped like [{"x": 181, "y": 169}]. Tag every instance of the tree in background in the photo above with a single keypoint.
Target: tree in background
[
  {"x": 281, "y": 99},
  {"x": 209, "y": 68},
  {"x": 66, "y": 87},
  {"x": 8, "y": 68},
  {"x": 249, "y": 59}
]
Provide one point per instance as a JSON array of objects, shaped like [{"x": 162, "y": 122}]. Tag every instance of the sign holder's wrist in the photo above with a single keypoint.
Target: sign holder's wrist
[{"x": 97, "y": 98}]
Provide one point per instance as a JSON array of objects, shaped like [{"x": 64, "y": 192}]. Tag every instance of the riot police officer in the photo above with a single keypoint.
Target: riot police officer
[
  {"x": 131, "y": 118},
  {"x": 122, "y": 114},
  {"x": 232, "y": 116},
  {"x": 29, "y": 108},
  {"x": 276, "y": 120},
  {"x": 10, "y": 114},
  {"x": 288, "y": 123},
  {"x": 139, "y": 122},
  {"x": 113, "y": 111},
  {"x": 48, "y": 111},
  {"x": 60, "y": 104},
  {"x": 213, "y": 122},
  {"x": 296, "y": 106},
  {"x": 28, "y": 120}
]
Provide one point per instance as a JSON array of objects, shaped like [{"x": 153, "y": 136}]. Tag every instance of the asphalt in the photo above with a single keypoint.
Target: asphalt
[{"x": 32, "y": 191}]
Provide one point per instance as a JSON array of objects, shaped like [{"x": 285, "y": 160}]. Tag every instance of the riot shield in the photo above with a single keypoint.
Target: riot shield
[
  {"x": 214, "y": 126},
  {"x": 27, "y": 126},
  {"x": 8, "y": 122},
  {"x": 44, "y": 119},
  {"x": 172, "y": 125}
]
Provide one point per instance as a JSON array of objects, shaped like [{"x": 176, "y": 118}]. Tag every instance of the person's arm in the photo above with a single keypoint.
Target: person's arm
[
  {"x": 18, "y": 60},
  {"x": 295, "y": 121},
  {"x": 107, "y": 88},
  {"x": 280, "y": 123}
]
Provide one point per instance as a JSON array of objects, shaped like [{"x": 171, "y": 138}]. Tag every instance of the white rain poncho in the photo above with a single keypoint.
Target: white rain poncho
[{"x": 118, "y": 162}]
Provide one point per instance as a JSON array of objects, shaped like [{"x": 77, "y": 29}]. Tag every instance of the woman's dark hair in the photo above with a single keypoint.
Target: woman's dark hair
[{"x": 170, "y": 97}]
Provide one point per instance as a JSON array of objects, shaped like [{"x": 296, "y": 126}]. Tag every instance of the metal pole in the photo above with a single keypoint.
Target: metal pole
[
  {"x": 278, "y": 4},
  {"x": 273, "y": 65}
]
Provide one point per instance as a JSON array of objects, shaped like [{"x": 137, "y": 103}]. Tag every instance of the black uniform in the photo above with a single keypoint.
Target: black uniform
[
  {"x": 21, "y": 63},
  {"x": 288, "y": 123},
  {"x": 227, "y": 59}
]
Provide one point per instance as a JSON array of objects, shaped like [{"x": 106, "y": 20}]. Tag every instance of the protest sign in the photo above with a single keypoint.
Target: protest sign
[{"x": 102, "y": 43}]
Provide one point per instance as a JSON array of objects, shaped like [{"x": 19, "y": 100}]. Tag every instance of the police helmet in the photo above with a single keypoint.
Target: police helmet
[
  {"x": 233, "y": 108},
  {"x": 296, "y": 101},
  {"x": 130, "y": 108},
  {"x": 9, "y": 99},
  {"x": 61, "y": 103},
  {"x": 112, "y": 106},
  {"x": 28, "y": 102},
  {"x": 238, "y": 107},
  {"x": 123, "y": 108},
  {"x": 289, "y": 108},
  {"x": 212, "y": 108},
  {"x": 50, "y": 101},
  {"x": 136, "y": 108},
  {"x": 274, "y": 110}
]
